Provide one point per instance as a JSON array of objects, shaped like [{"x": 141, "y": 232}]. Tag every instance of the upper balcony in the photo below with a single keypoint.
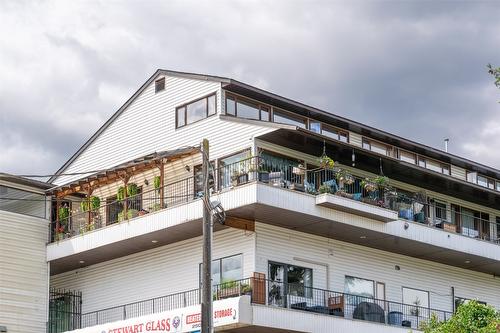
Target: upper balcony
[{"x": 331, "y": 202}]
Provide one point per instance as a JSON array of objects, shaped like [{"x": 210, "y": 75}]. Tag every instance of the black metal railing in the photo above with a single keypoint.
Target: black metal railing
[
  {"x": 65, "y": 308},
  {"x": 285, "y": 175},
  {"x": 276, "y": 293},
  {"x": 141, "y": 308}
]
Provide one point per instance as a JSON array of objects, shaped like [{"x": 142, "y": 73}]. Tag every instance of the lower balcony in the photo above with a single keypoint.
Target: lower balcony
[{"x": 252, "y": 305}]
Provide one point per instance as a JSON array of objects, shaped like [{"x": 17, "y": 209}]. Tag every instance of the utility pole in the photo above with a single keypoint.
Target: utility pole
[{"x": 206, "y": 283}]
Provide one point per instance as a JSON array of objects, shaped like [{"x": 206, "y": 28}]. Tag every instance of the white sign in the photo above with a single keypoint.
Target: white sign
[{"x": 230, "y": 311}]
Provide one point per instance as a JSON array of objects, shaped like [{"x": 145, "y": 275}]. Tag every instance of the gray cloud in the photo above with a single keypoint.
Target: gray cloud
[{"x": 416, "y": 69}]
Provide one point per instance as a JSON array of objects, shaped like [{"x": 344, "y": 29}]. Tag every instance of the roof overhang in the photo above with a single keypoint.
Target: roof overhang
[
  {"x": 141, "y": 164},
  {"x": 312, "y": 144},
  {"x": 350, "y": 125}
]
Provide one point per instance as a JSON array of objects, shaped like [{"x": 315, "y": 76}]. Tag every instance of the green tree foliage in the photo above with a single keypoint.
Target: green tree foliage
[
  {"x": 496, "y": 74},
  {"x": 471, "y": 317}
]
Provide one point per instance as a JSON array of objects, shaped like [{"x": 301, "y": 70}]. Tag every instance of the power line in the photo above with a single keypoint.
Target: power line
[{"x": 80, "y": 172}]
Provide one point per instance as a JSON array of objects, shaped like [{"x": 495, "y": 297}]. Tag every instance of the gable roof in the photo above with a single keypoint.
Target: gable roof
[{"x": 297, "y": 107}]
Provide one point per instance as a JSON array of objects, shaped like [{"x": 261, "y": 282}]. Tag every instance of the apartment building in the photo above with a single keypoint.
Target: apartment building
[
  {"x": 24, "y": 284},
  {"x": 331, "y": 225}
]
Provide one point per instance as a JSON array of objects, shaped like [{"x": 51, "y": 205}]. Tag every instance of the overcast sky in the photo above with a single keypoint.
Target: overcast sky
[{"x": 416, "y": 69}]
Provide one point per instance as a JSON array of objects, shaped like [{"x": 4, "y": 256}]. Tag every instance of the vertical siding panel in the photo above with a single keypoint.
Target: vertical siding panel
[{"x": 23, "y": 273}]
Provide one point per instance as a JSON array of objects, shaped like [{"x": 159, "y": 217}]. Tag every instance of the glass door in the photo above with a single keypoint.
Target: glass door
[{"x": 276, "y": 291}]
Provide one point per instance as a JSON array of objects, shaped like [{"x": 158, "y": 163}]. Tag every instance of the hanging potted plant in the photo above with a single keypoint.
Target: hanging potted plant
[
  {"x": 63, "y": 215},
  {"x": 157, "y": 183},
  {"x": 326, "y": 162},
  {"x": 120, "y": 194},
  {"x": 132, "y": 189},
  {"x": 344, "y": 178},
  {"x": 369, "y": 185}
]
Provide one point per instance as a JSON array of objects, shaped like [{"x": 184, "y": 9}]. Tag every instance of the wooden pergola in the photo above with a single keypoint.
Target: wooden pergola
[{"x": 122, "y": 172}]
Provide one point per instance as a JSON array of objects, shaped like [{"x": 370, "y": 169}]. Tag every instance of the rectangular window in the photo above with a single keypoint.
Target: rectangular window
[
  {"x": 461, "y": 300},
  {"x": 195, "y": 111},
  {"x": 283, "y": 117},
  {"x": 226, "y": 269},
  {"x": 198, "y": 179},
  {"x": 440, "y": 211},
  {"x": 407, "y": 157},
  {"x": 334, "y": 133},
  {"x": 315, "y": 126},
  {"x": 232, "y": 166},
  {"x": 472, "y": 177},
  {"x": 498, "y": 185},
  {"x": 295, "y": 279},
  {"x": 482, "y": 181},
  {"x": 421, "y": 162},
  {"x": 243, "y": 108},
  {"x": 159, "y": 85},
  {"x": 418, "y": 298},
  {"x": 377, "y": 147},
  {"x": 358, "y": 289}
]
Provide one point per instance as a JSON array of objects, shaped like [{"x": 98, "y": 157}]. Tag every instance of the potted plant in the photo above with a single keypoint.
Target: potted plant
[
  {"x": 326, "y": 162},
  {"x": 95, "y": 204},
  {"x": 63, "y": 215},
  {"x": 415, "y": 311},
  {"x": 154, "y": 207},
  {"x": 157, "y": 183},
  {"x": 324, "y": 189},
  {"x": 228, "y": 289},
  {"x": 344, "y": 178},
  {"x": 60, "y": 233},
  {"x": 246, "y": 289},
  {"x": 234, "y": 178},
  {"x": 369, "y": 185},
  {"x": 131, "y": 213},
  {"x": 132, "y": 189},
  {"x": 120, "y": 194}
]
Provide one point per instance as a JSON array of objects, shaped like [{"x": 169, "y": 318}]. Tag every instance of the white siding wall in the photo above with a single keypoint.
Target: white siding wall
[
  {"x": 458, "y": 172},
  {"x": 148, "y": 125},
  {"x": 355, "y": 139},
  {"x": 283, "y": 245},
  {"x": 23, "y": 273},
  {"x": 162, "y": 271}
]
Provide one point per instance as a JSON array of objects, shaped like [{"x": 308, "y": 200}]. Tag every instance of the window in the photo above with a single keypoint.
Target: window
[
  {"x": 359, "y": 287},
  {"x": 334, "y": 133},
  {"x": 243, "y": 108},
  {"x": 315, "y": 126},
  {"x": 421, "y": 162},
  {"x": 482, "y": 181},
  {"x": 498, "y": 185},
  {"x": 22, "y": 202},
  {"x": 461, "y": 300},
  {"x": 297, "y": 280},
  {"x": 283, "y": 117},
  {"x": 377, "y": 147},
  {"x": 195, "y": 111},
  {"x": 419, "y": 298},
  {"x": 440, "y": 210},
  {"x": 474, "y": 177},
  {"x": 159, "y": 85},
  {"x": 226, "y": 269},
  {"x": 407, "y": 157},
  {"x": 433, "y": 165},
  {"x": 229, "y": 166},
  {"x": 198, "y": 179}
]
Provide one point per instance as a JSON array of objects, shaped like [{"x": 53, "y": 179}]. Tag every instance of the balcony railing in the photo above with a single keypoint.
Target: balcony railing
[
  {"x": 285, "y": 175},
  {"x": 277, "y": 294}
]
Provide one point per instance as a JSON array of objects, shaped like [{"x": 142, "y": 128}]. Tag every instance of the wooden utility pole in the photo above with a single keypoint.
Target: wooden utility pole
[{"x": 206, "y": 283}]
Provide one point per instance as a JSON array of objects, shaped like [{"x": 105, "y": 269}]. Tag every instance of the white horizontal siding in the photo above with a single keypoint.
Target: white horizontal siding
[
  {"x": 355, "y": 139},
  {"x": 278, "y": 244},
  {"x": 23, "y": 273},
  {"x": 148, "y": 125},
  {"x": 161, "y": 271},
  {"x": 458, "y": 172}
]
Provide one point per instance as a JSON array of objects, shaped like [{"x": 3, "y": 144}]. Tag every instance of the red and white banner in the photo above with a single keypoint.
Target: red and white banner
[{"x": 226, "y": 312}]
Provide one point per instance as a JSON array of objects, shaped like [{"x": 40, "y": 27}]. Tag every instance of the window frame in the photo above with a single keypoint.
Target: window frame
[
  {"x": 292, "y": 115},
  {"x": 160, "y": 85},
  {"x": 244, "y": 100},
  {"x": 307, "y": 294},
  {"x": 219, "y": 261},
  {"x": 185, "y": 105},
  {"x": 416, "y": 289}
]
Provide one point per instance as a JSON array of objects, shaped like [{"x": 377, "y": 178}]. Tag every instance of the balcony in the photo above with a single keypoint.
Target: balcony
[{"x": 360, "y": 311}]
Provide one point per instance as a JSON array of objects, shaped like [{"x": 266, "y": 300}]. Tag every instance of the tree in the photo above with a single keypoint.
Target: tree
[
  {"x": 496, "y": 74},
  {"x": 471, "y": 317}
]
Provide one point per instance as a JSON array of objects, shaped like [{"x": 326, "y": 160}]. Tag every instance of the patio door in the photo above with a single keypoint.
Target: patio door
[{"x": 276, "y": 288}]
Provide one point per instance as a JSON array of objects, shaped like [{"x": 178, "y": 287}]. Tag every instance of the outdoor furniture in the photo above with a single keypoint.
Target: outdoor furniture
[
  {"x": 370, "y": 312},
  {"x": 395, "y": 318},
  {"x": 336, "y": 305},
  {"x": 276, "y": 178}
]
